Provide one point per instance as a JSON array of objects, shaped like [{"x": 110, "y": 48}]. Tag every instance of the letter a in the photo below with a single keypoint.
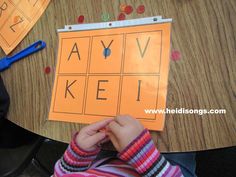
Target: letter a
[{"x": 74, "y": 50}]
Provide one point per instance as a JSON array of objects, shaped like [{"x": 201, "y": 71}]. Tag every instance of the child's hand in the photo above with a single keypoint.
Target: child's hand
[
  {"x": 123, "y": 130},
  {"x": 89, "y": 137}
]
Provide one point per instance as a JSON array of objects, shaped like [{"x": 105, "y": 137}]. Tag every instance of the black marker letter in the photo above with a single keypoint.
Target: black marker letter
[
  {"x": 139, "y": 84},
  {"x": 140, "y": 50},
  {"x": 19, "y": 21},
  {"x": 98, "y": 90},
  {"x": 3, "y": 7},
  {"x": 74, "y": 50},
  {"x": 68, "y": 88}
]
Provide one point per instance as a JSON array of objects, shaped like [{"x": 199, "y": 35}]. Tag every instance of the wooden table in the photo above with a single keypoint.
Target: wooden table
[{"x": 205, "y": 77}]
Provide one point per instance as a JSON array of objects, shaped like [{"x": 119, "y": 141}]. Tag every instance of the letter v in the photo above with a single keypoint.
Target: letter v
[{"x": 145, "y": 49}]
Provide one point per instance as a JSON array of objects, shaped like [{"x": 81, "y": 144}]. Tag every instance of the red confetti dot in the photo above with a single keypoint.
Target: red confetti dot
[
  {"x": 175, "y": 55},
  {"x": 121, "y": 16},
  {"x": 141, "y": 9},
  {"x": 128, "y": 9},
  {"x": 80, "y": 19},
  {"x": 47, "y": 70}
]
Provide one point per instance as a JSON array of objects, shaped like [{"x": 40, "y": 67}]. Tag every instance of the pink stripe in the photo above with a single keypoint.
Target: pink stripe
[
  {"x": 139, "y": 143},
  {"x": 58, "y": 170},
  {"x": 172, "y": 170},
  {"x": 75, "y": 163},
  {"x": 178, "y": 172},
  {"x": 144, "y": 156},
  {"x": 168, "y": 171},
  {"x": 149, "y": 162}
]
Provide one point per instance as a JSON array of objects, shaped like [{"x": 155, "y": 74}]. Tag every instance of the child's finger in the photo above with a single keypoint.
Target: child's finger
[
  {"x": 106, "y": 139},
  {"x": 122, "y": 119},
  {"x": 94, "y": 139},
  {"x": 114, "y": 140},
  {"x": 114, "y": 127},
  {"x": 99, "y": 125}
]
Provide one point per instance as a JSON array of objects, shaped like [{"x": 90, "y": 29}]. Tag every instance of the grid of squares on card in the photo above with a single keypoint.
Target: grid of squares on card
[{"x": 105, "y": 73}]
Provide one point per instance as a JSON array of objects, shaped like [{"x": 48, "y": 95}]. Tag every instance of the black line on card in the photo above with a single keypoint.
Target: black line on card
[
  {"x": 91, "y": 51},
  {"x": 115, "y": 34},
  {"x": 99, "y": 115},
  {"x": 60, "y": 44},
  {"x": 157, "y": 95},
  {"x": 88, "y": 71},
  {"x": 110, "y": 74},
  {"x": 55, "y": 94},
  {"x": 87, "y": 76},
  {"x": 144, "y": 32},
  {"x": 161, "y": 53},
  {"x": 75, "y": 37},
  {"x": 121, "y": 74},
  {"x": 85, "y": 80},
  {"x": 80, "y": 113}
]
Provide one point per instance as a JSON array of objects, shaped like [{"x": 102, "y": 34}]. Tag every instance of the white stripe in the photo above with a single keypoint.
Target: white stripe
[
  {"x": 163, "y": 170},
  {"x": 115, "y": 24}
]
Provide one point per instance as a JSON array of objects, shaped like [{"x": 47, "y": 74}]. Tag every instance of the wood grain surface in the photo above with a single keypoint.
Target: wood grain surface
[{"x": 204, "y": 31}]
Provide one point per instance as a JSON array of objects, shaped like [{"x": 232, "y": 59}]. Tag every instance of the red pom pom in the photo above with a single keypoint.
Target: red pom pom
[
  {"x": 121, "y": 16},
  {"x": 47, "y": 70},
  {"x": 128, "y": 9},
  {"x": 141, "y": 9},
  {"x": 175, "y": 55},
  {"x": 80, "y": 19}
]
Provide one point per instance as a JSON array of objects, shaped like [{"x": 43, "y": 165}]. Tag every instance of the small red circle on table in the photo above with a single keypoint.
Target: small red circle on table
[
  {"x": 175, "y": 55},
  {"x": 121, "y": 16},
  {"x": 47, "y": 70},
  {"x": 80, "y": 19},
  {"x": 141, "y": 9},
  {"x": 128, "y": 9}
]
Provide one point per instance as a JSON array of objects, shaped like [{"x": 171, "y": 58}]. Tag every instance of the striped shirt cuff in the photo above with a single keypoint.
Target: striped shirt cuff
[
  {"x": 142, "y": 154},
  {"x": 76, "y": 159}
]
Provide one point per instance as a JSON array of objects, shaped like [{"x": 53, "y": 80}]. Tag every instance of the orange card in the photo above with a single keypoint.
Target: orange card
[
  {"x": 17, "y": 17},
  {"x": 116, "y": 68}
]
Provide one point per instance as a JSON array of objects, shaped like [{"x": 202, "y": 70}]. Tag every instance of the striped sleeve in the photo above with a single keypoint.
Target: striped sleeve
[
  {"x": 74, "y": 159},
  {"x": 142, "y": 154}
]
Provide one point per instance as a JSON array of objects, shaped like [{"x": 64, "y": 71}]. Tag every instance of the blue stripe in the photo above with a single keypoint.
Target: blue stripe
[{"x": 141, "y": 153}]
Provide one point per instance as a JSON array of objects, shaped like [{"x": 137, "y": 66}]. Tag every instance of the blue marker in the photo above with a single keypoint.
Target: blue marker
[
  {"x": 106, "y": 52},
  {"x": 7, "y": 61}
]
